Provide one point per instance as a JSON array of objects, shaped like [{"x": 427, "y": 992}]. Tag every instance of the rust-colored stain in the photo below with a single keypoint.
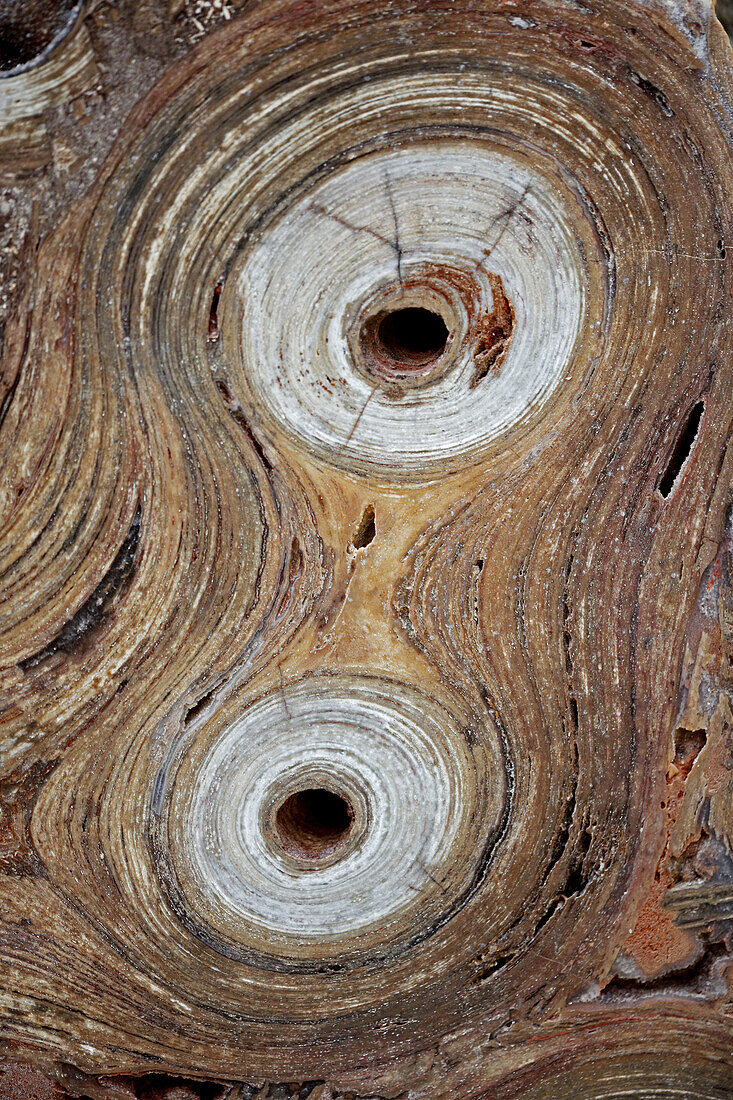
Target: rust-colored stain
[
  {"x": 657, "y": 943},
  {"x": 494, "y": 333}
]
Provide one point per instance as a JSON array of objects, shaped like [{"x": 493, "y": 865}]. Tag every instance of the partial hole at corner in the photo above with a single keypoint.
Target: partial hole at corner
[
  {"x": 30, "y": 27},
  {"x": 412, "y": 334},
  {"x": 313, "y": 823}
]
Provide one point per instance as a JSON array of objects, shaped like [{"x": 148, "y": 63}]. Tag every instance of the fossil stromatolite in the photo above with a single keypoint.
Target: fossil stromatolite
[{"x": 367, "y": 612}]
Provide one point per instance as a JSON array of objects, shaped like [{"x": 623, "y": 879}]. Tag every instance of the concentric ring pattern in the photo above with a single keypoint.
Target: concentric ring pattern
[
  {"x": 256, "y": 547},
  {"x": 426, "y": 815},
  {"x": 412, "y": 217}
]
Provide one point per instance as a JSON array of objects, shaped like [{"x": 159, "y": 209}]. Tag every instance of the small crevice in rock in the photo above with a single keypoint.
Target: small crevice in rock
[
  {"x": 493, "y": 968},
  {"x": 366, "y": 530},
  {"x": 682, "y": 448},
  {"x": 193, "y": 713},
  {"x": 688, "y": 744},
  {"x": 578, "y": 875},
  {"x": 83, "y": 626},
  {"x": 213, "y": 333},
  {"x": 653, "y": 92},
  {"x": 240, "y": 419}
]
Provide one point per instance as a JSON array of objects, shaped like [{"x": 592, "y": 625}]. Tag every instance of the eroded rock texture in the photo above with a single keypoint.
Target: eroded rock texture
[{"x": 367, "y": 619}]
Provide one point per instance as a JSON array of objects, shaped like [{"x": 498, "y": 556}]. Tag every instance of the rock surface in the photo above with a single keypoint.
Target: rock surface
[{"x": 366, "y": 620}]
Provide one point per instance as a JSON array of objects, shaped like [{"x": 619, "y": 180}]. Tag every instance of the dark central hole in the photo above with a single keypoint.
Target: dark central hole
[
  {"x": 413, "y": 333},
  {"x": 314, "y": 822}
]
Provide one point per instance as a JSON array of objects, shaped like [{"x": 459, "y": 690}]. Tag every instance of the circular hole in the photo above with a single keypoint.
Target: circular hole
[
  {"x": 313, "y": 823},
  {"x": 412, "y": 335}
]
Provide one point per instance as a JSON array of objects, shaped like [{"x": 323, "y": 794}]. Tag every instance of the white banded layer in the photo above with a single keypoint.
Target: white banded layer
[
  {"x": 424, "y": 800},
  {"x": 423, "y": 226}
]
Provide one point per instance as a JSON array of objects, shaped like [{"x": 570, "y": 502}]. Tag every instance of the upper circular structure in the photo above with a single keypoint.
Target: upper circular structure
[{"x": 456, "y": 229}]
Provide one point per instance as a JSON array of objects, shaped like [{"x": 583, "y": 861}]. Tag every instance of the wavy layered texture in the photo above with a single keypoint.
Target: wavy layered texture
[{"x": 366, "y": 579}]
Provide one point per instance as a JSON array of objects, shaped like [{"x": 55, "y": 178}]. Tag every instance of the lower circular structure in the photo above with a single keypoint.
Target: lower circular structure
[{"x": 424, "y": 803}]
